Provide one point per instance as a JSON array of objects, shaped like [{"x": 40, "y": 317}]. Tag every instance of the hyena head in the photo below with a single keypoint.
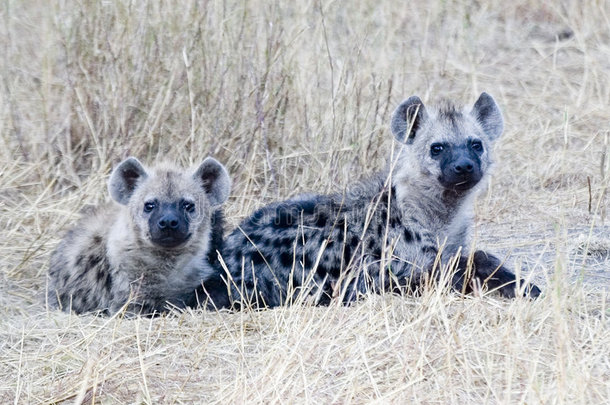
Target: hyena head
[
  {"x": 445, "y": 144},
  {"x": 169, "y": 208}
]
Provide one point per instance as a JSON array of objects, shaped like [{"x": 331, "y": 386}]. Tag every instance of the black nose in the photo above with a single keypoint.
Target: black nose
[
  {"x": 168, "y": 221},
  {"x": 463, "y": 166}
]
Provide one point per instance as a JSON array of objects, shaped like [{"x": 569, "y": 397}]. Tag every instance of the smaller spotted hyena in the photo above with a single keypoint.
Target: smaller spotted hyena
[
  {"x": 388, "y": 233},
  {"x": 152, "y": 249}
]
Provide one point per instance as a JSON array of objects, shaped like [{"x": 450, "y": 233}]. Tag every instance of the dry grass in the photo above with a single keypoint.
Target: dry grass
[{"x": 297, "y": 97}]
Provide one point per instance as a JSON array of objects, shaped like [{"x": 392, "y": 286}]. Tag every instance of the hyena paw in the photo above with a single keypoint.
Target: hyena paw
[
  {"x": 531, "y": 290},
  {"x": 510, "y": 290}
]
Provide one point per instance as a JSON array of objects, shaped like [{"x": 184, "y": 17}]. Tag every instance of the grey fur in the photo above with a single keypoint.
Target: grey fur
[
  {"x": 112, "y": 256},
  {"x": 124, "y": 179},
  {"x": 215, "y": 180},
  {"x": 384, "y": 233},
  {"x": 489, "y": 116},
  {"x": 407, "y": 118}
]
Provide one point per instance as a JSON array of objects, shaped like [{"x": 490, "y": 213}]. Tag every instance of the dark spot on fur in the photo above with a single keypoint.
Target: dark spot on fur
[
  {"x": 321, "y": 270},
  {"x": 286, "y": 259},
  {"x": 309, "y": 260},
  {"x": 347, "y": 254},
  {"x": 257, "y": 258},
  {"x": 383, "y": 209},
  {"x": 79, "y": 260},
  {"x": 92, "y": 261},
  {"x": 254, "y": 238},
  {"x": 408, "y": 236},
  {"x": 380, "y": 229},
  {"x": 371, "y": 243},
  {"x": 97, "y": 240},
  {"x": 321, "y": 220},
  {"x": 108, "y": 283},
  {"x": 302, "y": 238},
  {"x": 429, "y": 249},
  {"x": 354, "y": 242}
]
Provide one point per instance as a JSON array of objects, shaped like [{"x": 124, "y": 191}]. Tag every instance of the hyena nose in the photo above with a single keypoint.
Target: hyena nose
[
  {"x": 463, "y": 166},
  {"x": 168, "y": 221}
]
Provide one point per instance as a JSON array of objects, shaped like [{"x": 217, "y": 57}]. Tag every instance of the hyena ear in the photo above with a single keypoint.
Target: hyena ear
[
  {"x": 125, "y": 178},
  {"x": 215, "y": 180},
  {"x": 408, "y": 118},
  {"x": 487, "y": 113}
]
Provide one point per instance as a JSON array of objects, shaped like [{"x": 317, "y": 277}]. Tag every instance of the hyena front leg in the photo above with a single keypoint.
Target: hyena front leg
[{"x": 488, "y": 270}]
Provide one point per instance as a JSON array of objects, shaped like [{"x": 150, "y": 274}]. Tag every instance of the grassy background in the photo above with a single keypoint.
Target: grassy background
[{"x": 297, "y": 97}]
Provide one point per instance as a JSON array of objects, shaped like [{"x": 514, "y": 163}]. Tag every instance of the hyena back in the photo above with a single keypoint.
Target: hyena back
[
  {"x": 385, "y": 233},
  {"x": 152, "y": 249}
]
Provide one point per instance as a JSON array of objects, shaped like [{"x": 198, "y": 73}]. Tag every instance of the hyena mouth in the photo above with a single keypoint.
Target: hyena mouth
[
  {"x": 172, "y": 241},
  {"x": 465, "y": 185},
  {"x": 461, "y": 185}
]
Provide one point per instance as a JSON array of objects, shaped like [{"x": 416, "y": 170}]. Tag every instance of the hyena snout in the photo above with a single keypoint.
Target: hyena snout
[
  {"x": 460, "y": 172},
  {"x": 463, "y": 167},
  {"x": 169, "y": 228},
  {"x": 169, "y": 221}
]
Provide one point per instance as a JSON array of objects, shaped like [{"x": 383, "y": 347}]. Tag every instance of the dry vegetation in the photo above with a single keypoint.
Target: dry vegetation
[{"x": 296, "y": 96}]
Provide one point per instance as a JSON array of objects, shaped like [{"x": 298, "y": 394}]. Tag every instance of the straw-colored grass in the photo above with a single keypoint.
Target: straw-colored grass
[{"x": 293, "y": 97}]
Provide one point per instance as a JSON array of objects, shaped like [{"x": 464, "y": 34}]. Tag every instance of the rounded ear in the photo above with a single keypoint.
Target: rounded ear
[
  {"x": 125, "y": 178},
  {"x": 487, "y": 113},
  {"x": 215, "y": 180},
  {"x": 408, "y": 118}
]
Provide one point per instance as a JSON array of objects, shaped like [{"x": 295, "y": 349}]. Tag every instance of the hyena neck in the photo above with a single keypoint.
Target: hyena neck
[{"x": 443, "y": 212}]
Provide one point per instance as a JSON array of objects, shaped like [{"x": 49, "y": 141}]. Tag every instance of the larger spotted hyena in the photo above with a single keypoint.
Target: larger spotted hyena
[
  {"x": 152, "y": 249},
  {"x": 387, "y": 233}
]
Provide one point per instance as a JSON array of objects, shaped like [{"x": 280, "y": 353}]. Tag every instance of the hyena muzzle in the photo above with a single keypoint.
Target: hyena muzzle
[
  {"x": 391, "y": 232},
  {"x": 151, "y": 250}
]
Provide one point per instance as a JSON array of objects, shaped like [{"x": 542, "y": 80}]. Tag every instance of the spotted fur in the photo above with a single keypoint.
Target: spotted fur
[
  {"x": 152, "y": 248},
  {"x": 386, "y": 233}
]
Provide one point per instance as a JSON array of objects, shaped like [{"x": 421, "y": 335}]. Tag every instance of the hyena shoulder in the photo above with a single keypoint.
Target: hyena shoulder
[{"x": 80, "y": 273}]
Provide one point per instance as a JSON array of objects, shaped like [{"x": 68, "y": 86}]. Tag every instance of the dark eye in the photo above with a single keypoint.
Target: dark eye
[
  {"x": 436, "y": 149},
  {"x": 477, "y": 146},
  {"x": 188, "y": 206},
  {"x": 149, "y": 206}
]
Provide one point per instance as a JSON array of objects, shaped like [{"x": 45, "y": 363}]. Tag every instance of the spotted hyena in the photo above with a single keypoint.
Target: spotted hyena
[
  {"x": 151, "y": 248},
  {"x": 387, "y": 233}
]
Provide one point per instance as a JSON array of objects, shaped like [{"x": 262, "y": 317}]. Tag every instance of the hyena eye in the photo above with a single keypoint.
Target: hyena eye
[
  {"x": 149, "y": 206},
  {"x": 477, "y": 146},
  {"x": 188, "y": 206},
  {"x": 436, "y": 149}
]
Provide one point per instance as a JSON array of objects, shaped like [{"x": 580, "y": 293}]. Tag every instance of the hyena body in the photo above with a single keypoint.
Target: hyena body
[
  {"x": 152, "y": 249},
  {"x": 386, "y": 233}
]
